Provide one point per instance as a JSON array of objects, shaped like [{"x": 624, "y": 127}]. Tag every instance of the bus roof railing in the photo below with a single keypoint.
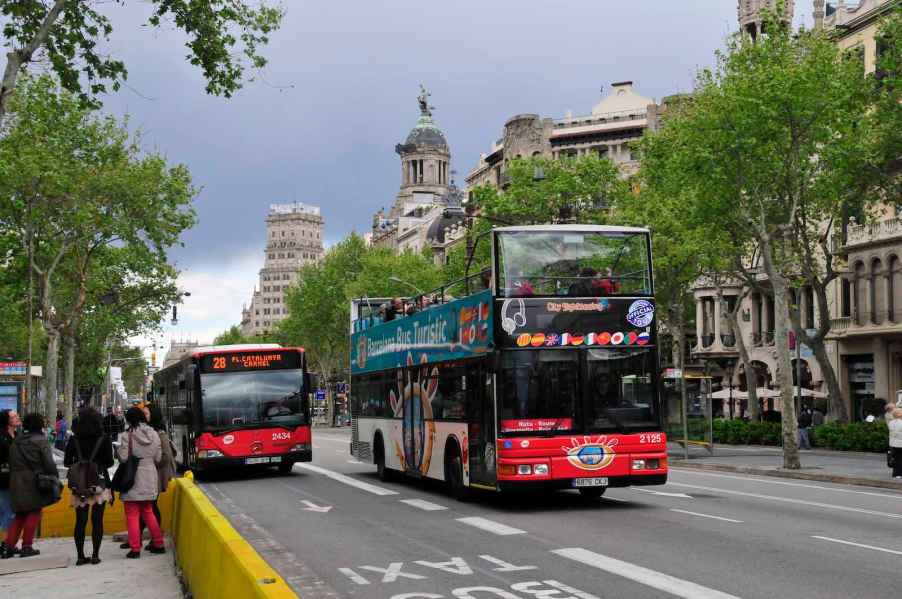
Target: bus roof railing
[{"x": 572, "y": 228}]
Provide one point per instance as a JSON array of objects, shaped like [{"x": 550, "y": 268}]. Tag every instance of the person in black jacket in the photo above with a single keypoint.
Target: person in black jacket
[
  {"x": 9, "y": 421},
  {"x": 29, "y": 456},
  {"x": 88, "y": 435}
]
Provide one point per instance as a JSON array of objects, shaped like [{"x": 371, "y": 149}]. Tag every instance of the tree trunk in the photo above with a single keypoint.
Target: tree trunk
[
  {"x": 784, "y": 361},
  {"x": 751, "y": 378},
  {"x": 51, "y": 394},
  {"x": 69, "y": 375}
]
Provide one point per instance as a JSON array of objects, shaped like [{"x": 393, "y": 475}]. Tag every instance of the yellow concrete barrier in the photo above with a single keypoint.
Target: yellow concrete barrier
[{"x": 216, "y": 562}]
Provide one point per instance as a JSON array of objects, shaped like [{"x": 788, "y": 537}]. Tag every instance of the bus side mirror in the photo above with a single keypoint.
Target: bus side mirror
[{"x": 308, "y": 383}]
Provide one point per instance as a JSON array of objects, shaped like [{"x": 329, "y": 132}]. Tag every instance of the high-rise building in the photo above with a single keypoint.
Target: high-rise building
[{"x": 294, "y": 237}]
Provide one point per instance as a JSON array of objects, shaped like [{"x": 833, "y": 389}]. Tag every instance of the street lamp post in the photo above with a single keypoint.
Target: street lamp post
[{"x": 394, "y": 279}]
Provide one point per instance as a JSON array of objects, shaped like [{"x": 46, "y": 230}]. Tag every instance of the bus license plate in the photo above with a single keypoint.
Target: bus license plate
[
  {"x": 590, "y": 482},
  {"x": 257, "y": 461}
]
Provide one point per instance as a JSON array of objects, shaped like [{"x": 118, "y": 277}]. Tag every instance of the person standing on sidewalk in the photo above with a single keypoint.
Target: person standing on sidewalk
[
  {"x": 91, "y": 448},
  {"x": 166, "y": 467},
  {"x": 805, "y": 428},
  {"x": 142, "y": 442},
  {"x": 29, "y": 456},
  {"x": 895, "y": 442},
  {"x": 9, "y": 421}
]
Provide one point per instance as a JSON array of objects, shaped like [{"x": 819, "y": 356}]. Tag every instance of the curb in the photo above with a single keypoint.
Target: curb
[{"x": 780, "y": 473}]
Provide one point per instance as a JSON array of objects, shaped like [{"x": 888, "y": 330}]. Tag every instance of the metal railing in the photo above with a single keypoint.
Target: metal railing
[
  {"x": 591, "y": 119},
  {"x": 728, "y": 340}
]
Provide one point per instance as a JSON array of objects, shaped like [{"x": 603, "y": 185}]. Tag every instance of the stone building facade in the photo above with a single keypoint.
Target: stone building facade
[
  {"x": 417, "y": 218},
  {"x": 294, "y": 237},
  {"x": 865, "y": 303},
  {"x": 618, "y": 119}
]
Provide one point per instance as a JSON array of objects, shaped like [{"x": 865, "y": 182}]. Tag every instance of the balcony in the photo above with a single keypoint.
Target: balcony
[
  {"x": 889, "y": 229},
  {"x": 706, "y": 341},
  {"x": 728, "y": 340},
  {"x": 762, "y": 338}
]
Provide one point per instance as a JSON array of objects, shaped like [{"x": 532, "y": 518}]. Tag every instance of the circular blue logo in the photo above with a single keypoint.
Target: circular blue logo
[
  {"x": 640, "y": 313},
  {"x": 591, "y": 455}
]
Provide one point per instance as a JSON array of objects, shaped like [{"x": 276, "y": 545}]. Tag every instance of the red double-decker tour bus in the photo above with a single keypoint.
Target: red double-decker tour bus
[
  {"x": 540, "y": 370},
  {"x": 236, "y": 406}
]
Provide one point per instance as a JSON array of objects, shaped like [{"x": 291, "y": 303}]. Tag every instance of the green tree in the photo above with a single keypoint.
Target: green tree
[
  {"x": 224, "y": 39},
  {"x": 759, "y": 149},
  {"x": 82, "y": 190},
  {"x": 231, "y": 336},
  {"x": 541, "y": 190}
]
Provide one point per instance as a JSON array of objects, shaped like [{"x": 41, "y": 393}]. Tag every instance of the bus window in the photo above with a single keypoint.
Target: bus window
[
  {"x": 244, "y": 398},
  {"x": 559, "y": 262},
  {"x": 540, "y": 385},
  {"x": 621, "y": 389}
]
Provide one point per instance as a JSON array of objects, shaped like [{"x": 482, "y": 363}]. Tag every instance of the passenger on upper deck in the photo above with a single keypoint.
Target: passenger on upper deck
[
  {"x": 584, "y": 286},
  {"x": 607, "y": 285},
  {"x": 520, "y": 286},
  {"x": 394, "y": 309}
]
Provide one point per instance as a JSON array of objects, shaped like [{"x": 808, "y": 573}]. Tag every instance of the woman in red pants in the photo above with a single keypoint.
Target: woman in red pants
[
  {"x": 29, "y": 455},
  {"x": 142, "y": 442}
]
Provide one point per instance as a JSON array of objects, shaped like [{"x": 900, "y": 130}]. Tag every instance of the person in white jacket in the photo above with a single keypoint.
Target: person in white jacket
[
  {"x": 144, "y": 443},
  {"x": 895, "y": 442}
]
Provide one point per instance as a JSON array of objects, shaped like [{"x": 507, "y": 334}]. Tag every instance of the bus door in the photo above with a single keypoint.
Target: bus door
[{"x": 481, "y": 424}]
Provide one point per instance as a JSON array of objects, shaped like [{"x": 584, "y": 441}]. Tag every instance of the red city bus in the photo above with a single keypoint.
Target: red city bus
[{"x": 236, "y": 406}]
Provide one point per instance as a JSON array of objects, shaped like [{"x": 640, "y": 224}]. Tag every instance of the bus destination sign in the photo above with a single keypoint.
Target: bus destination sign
[{"x": 254, "y": 360}]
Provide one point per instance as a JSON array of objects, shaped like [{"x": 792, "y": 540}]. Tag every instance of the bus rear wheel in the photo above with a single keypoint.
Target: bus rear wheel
[
  {"x": 285, "y": 467},
  {"x": 385, "y": 473},
  {"x": 592, "y": 492}
]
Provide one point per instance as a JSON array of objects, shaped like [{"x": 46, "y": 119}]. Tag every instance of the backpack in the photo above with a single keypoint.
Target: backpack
[{"x": 84, "y": 476}]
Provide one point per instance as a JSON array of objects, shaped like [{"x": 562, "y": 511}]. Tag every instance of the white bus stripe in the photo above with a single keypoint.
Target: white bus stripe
[
  {"x": 656, "y": 580},
  {"x": 424, "y": 505},
  {"x": 883, "y": 549},
  {"x": 353, "y": 482},
  {"x": 491, "y": 526}
]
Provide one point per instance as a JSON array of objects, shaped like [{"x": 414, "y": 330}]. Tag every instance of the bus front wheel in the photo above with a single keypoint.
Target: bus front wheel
[
  {"x": 285, "y": 467},
  {"x": 591, "y": 492},
  {"x": 454, "y": 474}
]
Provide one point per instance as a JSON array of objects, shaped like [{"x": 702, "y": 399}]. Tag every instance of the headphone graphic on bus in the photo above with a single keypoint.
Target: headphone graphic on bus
[{"x": 518, "y": 319}]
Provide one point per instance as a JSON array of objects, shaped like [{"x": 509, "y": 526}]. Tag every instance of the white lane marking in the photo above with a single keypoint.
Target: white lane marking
[
  {"x": 393, "y": 572},
  {"x": 805, "y": 502},
  {"x": 656, "y": 580},
  {"x": 883, "y": 549},
  {"x": 662, "y": 493},
  {"x": 347, "y": 480},
  {"x": 506, "y": 566},
  {"x": 312, "y": 507},
  {"x": 354, "y": 462},
  {"x": 705, "y": 515},
  {"x": 424, "y": 505},
  {"x": 771, "y": 481},
  {"x": 491, "y": 526},
  {"x": 354, "y": 576},
  {"x": 315, "y": 446},
  {"x": 617, "y": 499}
]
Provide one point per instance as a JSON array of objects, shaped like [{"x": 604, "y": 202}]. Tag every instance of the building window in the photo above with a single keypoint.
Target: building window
[
  {"x": 846, "y": 299},
  {"x": 860, "y": 293},
  {"x": 892, "y": 283},
  {"x": 809, "y": 308}
]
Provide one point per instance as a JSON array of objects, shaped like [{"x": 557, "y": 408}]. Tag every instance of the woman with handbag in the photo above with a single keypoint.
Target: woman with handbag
[
  {"x": 143, "y": 444},
  {"x": 89, "y": 456},
  {"x": 895, "y": 442},
  {"x": 33, "y": 484}
]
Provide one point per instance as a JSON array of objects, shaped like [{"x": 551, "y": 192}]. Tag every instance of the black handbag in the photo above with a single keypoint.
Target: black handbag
[{"x": 124, "y": 477}]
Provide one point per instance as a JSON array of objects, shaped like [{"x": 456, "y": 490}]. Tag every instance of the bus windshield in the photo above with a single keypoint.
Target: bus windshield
[
  {"x": 574, "y": 263},
  {"x": 259, "y": 397},
  {"x": 621, "y": 389}
]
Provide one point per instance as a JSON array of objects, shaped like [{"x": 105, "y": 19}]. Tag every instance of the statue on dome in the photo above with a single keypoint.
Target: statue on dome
[{"x": 423, "y": 99}]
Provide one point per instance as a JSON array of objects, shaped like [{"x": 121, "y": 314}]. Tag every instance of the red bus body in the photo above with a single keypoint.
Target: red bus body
[{"x": 219, "y": 415}]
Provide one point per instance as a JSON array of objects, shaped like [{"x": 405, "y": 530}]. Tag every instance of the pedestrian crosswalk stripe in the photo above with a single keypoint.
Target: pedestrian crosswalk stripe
[{"x": 648, "y": 577}]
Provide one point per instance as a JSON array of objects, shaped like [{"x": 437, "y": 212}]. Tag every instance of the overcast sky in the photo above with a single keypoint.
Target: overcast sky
[{"x": 321, "y": 124}]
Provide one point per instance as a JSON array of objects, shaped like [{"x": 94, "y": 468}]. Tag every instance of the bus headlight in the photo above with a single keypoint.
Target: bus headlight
[
  {"x": 209, "y": 453},
  {"x": 541, "y": 469},
  {"x": 301, "y": 447},
  {"x": 648, "y": 464},
  {"x": 524, "y": 469}
]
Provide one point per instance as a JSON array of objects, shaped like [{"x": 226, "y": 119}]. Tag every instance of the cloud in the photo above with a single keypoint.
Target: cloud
[{"x": 218, "y": 291}]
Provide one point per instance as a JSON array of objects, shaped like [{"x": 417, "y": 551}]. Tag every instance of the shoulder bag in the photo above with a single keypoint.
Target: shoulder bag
[{"x": 124, "y": 478}]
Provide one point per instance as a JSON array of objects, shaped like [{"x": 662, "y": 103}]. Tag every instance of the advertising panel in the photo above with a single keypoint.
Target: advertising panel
[
  {"x": 456, "y": 330},
  {"x": 576, "y": 322}
]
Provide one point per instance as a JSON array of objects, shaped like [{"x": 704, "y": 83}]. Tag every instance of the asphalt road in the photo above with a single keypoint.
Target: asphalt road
[{"x": 334, "y": 530}]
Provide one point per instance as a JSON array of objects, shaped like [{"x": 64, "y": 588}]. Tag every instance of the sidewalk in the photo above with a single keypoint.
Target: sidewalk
[
  {"x": 54, "y": 574},
  {"x": 845, "y": 467}
]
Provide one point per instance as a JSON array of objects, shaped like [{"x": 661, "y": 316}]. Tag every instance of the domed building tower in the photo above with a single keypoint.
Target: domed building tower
[
  {"x": 751, "y": 15},
  {"x": 425, "y": 163}
]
